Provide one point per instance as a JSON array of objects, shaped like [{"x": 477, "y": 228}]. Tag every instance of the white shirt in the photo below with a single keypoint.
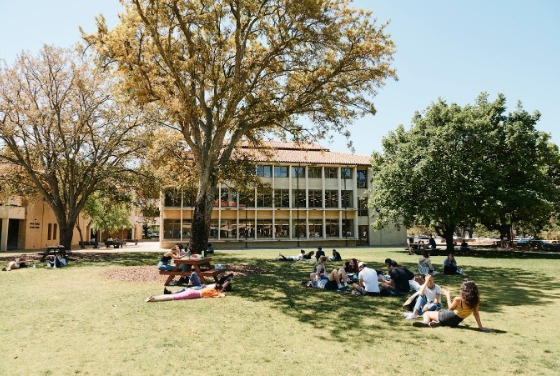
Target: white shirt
[
  {"x": 432, "y": 293},
  {"x": 369, "y": 277}
]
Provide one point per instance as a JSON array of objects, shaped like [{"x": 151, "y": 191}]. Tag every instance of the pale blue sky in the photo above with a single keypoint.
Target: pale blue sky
[{"x": 448, "y": 49}]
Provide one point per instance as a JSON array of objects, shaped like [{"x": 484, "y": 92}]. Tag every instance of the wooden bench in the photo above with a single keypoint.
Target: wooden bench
[{"x": 214, "y": 273}]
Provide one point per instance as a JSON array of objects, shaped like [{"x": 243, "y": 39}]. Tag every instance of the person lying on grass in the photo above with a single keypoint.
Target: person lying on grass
[
  {"x": 460, "y": 308},
  {"x": 19, "y": 262},
  {"x": 210, "y": 291}
]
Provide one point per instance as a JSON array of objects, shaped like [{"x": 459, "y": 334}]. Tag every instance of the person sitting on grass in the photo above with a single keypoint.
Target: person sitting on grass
[
  {"x": 57, "y": 261},
  {"x": 335, "y": 256},
  {"x": 429, "y": 299},
  {"x": 368, "y": 281},
  {"x": 461, "y": 307},
  {"x": 424, "y": 262},
  {"x": 352, "y": 270},
  {"x": 210, "y": 291},
  {"x": 332, "y": 281},
  {"x": 450, "y": 265},
  {"x": 400, "y": 280}
]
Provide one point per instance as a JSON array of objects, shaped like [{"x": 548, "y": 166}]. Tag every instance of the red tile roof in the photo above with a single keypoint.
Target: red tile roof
[{"x": 290, "y": 152}]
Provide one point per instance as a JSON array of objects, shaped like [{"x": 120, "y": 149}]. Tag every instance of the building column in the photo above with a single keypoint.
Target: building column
[{"x": 4, "y": 234}]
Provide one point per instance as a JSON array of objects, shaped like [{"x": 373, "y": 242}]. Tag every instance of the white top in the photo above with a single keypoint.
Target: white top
[
  {"x": 431, "y": 293},
  {"x": 369, "y": 276}
]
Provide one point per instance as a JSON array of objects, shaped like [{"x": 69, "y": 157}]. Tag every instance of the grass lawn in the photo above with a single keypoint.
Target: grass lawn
[{"x": 76, "y": 320}]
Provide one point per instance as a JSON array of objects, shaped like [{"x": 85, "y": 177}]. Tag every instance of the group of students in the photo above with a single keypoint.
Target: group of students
[
  {"x": 195, "y": 289},
  {"x": 400, "y": 281}
]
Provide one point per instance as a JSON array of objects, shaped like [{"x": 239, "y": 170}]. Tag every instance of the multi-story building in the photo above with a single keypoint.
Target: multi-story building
[
  {"x": 31, "y": 225},
  {"x": 314, "y": 197}
]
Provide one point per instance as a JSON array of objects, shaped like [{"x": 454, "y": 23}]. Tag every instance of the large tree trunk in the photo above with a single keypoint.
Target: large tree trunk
[
  {"x": 447, "y": 232},
  {"x": 202, "y": 216},
  {"x": 448, "y": 235}
]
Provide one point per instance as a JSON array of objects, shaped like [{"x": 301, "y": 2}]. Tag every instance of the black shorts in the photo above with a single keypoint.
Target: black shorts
[
  {"x": 331, "y": 285},
  {"x": 448, "y": 318}
]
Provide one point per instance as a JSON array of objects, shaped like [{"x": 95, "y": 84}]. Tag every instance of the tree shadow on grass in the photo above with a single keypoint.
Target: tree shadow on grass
[{"x": 344, "y": 317}]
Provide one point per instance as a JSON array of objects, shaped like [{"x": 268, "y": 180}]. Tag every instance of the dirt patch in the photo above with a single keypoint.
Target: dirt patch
[{"x": 151, "y": 274}]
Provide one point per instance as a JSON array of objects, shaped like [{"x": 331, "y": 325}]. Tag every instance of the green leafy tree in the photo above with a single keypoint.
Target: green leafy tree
[
  {"x": 219, "y": 72},
  {"x": 62, "y": 131},
  {"x": 107, "y": 213},
  {"x": 459, "y": 166}
]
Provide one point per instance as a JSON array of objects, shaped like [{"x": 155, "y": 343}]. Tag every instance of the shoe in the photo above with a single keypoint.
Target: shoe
[
  {"x": 420, "y": 324},
  {"x": 411, "y": 316},
  {"x": 3, "y": 269},
  {"x": 434, "y": 324},
  {"x": 166, "y": 291}
]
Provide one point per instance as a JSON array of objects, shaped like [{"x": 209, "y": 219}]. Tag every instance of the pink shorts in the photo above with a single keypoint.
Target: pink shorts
[{"x": 187, "y": 294}]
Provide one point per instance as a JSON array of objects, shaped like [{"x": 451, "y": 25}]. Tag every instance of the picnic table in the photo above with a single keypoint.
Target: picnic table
[
  {"x": 201, "y": 265},
  {"x": 114, "y": 243},
  {"x": 53, "y": 250}
]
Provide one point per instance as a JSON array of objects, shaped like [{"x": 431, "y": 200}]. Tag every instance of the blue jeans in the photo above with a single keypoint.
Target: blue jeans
[
  {"x": 195, "y": 281},
  {"x": 162, "y": 266},
  {"x": 422, "y": 301}
]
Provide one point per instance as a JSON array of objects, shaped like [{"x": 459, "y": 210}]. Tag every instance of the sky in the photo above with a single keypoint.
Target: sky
[{"x": 444, "y": 49}]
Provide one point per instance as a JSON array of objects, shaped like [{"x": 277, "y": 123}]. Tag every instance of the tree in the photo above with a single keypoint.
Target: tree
[
  {"x": 107, "y": 213},
  {"x": 63, "y": 131},
  {"x": 459, "y": 166},
  {"x": 229, "y": 70}
]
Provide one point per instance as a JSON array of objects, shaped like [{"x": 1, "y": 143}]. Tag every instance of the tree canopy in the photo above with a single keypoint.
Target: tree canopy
[
  {"x": 62, "y": 133},
  {"x": 459, "y": 166},
  {"x": 223, "y": 71}
]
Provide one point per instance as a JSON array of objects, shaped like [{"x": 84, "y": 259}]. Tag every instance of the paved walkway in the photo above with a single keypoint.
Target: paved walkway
[{"x": 131, "y": 247}]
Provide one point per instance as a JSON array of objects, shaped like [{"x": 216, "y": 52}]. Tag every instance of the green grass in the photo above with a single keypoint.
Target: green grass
[{"x": 76, "y": 321}]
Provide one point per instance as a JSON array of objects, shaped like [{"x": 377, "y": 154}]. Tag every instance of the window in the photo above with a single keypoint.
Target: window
[
  {"x": 264, "y": 171},
  {"x": 298, "y": 172},
  {"x": 49, "y": 231},
  {"x": 247, "y": 200},
  {"x": 362, "y": 207},
  {"x": 347, "y": 199},
  {"x": 264, "y": 228},
  {"x": 346, "y": 173},
  {"x": 228, "y": 197},
  {"x": 228, "y": 229},
  {"x": 282, "y": 198},
  {"x": 331, "y": 173},
  {"x": 214, "y": 229},
  {"x": 331, "y": 199},
  {"x": 298, "y": 198},
  {"x": 172, "y": 229},
  {"x": 347, "y": 227},
  {"x": 172, "y": 197},
  {"x": 332, "y": 228},
  {"x": 55, "y": 230},
  {"x": 264, "y": 200},
  {"x": 282, "y": 228},
  {"x": 316, "y": 228},
  {"x": 299, "y": 229},
  {"x": 280, "y": 171},
  {"x": 362, "y": 178},
  {"x": 363, "y": 229},
  {"x": 314, "y": 173},
  {"x": 315, "y": 199}
]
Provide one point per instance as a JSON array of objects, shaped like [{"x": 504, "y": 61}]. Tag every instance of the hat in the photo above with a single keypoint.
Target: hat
[{"x": 361, "y": 264}]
